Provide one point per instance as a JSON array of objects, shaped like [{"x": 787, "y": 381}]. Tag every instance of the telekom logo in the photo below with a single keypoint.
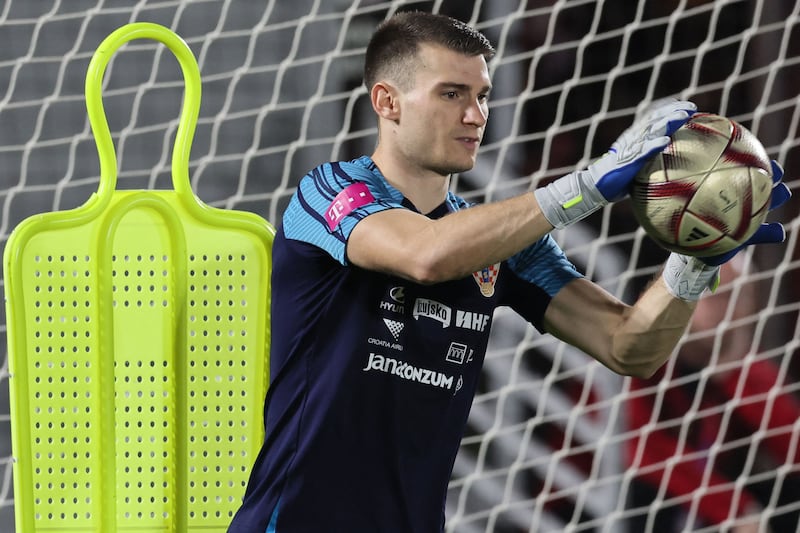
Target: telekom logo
[{"x": 350, "y": 198}]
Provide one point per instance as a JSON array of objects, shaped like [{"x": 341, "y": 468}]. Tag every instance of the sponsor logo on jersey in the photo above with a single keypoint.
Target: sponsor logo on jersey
[
  {"x": 385, "y": 344},
  {"x": 398, "y": 294},
  {"x": 458, "y": 353},
  {"x": 396, "y": 301},
  {"x": 408, "y": 372},
  {"x": 394, "y": 327},
  {"x": 472, "y": 320},
  {"x": 432, "y": 309},
  {"x": 486, "y": 279},
  {"x": 349, "y": 199}
]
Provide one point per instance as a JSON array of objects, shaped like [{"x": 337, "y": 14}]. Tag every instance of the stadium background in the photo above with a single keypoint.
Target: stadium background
[{"x": 276, "y": 101}]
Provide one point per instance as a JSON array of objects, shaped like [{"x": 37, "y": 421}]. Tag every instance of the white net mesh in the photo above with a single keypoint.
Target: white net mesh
[{"x": 555, "y": 442}]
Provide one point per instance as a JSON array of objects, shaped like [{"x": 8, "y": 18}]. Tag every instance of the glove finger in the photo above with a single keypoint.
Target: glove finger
[
  {"x": 651, "y": 147},
  {"x": 665, "y": 106},
  {"x": 777, "y": 171},
  {"x": 675, "y": 124},
  {"x": 717, "y": 260},
  {"x": 632, "y": 162},
  {"x": 670, "y": 123},
  {"x": 780, "y": 193},
  {"x": 768, "y": 233}
]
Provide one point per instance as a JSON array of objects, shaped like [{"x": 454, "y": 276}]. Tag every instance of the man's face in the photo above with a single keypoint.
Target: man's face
[{"x": 443, "y": 115}]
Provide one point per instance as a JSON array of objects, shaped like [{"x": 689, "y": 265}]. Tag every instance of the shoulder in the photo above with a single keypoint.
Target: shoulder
[
  {"x": 320, "y": 186},
  {"x": 332, "y": 198},
  {"x": 333, "y": 175}
]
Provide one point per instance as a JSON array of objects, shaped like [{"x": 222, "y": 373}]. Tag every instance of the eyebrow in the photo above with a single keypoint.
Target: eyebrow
[{"x": 462, "y": 86}]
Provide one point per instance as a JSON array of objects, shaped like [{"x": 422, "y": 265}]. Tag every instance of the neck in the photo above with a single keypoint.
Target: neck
[{"x": 423, "y": 188}]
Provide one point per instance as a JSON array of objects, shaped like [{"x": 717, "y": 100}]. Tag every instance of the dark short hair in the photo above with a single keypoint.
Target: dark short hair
[{"x": 396, "y": 41}]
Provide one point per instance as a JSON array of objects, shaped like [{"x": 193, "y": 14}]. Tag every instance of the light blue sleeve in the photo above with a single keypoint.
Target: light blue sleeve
[
  {"x": 545, "y": 265},
  {"x": 329, "y": 202}
]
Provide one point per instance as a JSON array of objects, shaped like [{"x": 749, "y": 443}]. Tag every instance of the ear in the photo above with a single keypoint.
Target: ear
[{"x": 385, "y": 101}]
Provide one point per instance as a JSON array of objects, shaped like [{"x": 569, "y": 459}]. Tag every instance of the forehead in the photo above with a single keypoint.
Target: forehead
[{"x": 437, "y": 64}]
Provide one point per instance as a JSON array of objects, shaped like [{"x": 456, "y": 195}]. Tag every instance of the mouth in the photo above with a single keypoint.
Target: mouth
[{"x": 470, "y": 142}]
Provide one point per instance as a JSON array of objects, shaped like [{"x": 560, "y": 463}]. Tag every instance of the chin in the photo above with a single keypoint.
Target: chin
[
  {"x": 450, "y": 165},
  {"x": 446, "y": 170},
  {"x": 463, "y": 166}
]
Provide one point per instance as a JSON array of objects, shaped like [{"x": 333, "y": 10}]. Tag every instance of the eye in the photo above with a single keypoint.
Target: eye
[{"x": 451, "y": 95}]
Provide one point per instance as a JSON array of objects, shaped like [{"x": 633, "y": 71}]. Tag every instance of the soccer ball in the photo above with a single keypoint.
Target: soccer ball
[{"x": 708, "y": 191}]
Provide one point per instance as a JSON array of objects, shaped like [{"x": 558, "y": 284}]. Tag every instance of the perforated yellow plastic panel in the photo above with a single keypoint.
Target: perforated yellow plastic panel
[{"x": 138, "y": 345}]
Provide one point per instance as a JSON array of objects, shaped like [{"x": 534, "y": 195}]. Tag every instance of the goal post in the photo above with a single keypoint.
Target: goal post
[{"x": 554, "y": 441}]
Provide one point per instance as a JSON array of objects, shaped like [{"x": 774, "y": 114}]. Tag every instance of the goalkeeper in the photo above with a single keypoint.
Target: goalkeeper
[{"x": 384, "y": 284}]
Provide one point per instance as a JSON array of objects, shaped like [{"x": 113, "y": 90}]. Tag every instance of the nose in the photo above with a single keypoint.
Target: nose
[{"x": 476, "y": 113}]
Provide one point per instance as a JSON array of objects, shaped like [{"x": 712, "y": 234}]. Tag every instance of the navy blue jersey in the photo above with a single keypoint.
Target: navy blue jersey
[{"x": 372, "y": 376}]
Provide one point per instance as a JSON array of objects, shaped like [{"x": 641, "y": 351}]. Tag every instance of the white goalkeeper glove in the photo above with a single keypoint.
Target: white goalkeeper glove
[
  {"x": 688, "y": 277},
  {"x": 577, "y": 195}
]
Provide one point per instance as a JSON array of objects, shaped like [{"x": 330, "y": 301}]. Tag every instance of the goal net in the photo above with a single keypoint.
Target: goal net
[{"x": 554, "y": 442}]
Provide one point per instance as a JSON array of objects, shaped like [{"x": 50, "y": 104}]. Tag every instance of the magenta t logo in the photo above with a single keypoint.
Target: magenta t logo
[{"x": 350, "y": 198}]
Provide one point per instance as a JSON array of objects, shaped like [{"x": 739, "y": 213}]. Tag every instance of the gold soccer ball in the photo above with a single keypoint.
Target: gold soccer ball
[{"x": 708, "y": 191}]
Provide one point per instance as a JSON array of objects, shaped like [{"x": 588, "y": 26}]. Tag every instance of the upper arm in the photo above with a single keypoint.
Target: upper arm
[{"x": 389, "y": 242}]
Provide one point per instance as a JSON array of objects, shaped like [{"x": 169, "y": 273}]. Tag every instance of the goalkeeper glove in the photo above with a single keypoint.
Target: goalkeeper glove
[
  {"x": 688, "y": 277},
  {"x": 577, "y": 195}
]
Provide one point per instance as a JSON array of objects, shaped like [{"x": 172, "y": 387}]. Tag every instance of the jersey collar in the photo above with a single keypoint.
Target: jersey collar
[{"x": 450, "y": 204}]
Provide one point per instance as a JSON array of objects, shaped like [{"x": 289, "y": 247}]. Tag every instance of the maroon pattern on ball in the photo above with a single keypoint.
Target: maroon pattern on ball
[{"x": 669, "y": 189}]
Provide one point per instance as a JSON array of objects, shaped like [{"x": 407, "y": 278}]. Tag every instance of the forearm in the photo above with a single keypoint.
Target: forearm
[
  {"x": 630, "y": 340},
  {"x": 649, "y": 330},
  {"x": 469, "y": 240}
]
